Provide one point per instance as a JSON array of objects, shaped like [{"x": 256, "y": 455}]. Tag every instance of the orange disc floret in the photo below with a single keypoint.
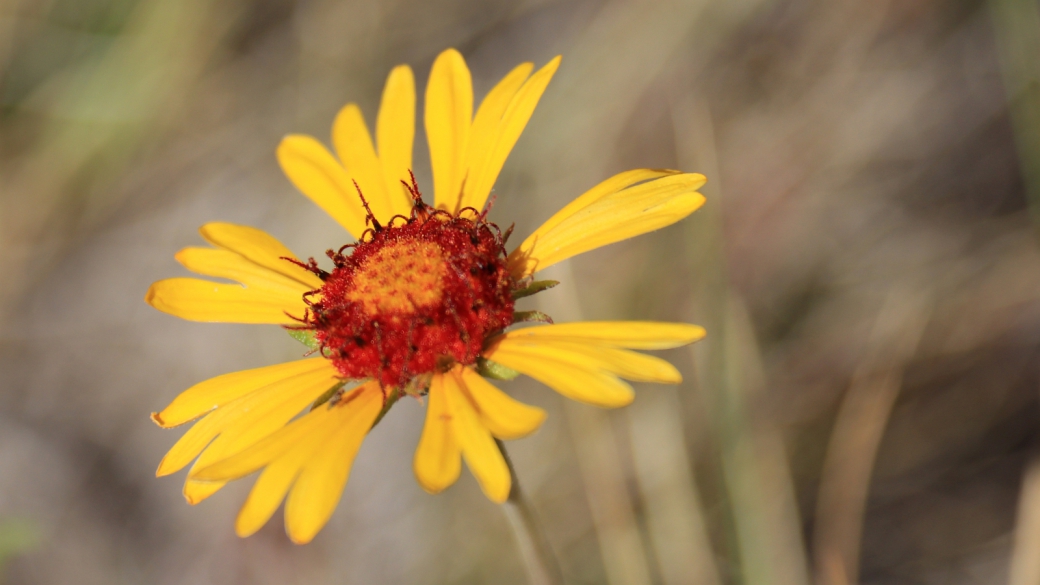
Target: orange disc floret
[{"x": 413, "y": 297}]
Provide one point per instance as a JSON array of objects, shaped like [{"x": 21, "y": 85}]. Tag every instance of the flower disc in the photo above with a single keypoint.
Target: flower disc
[{"x": 413, "y": 298}]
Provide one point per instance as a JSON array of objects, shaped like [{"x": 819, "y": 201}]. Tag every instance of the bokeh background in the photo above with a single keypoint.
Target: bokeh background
[{"x": 865, "y": 407}]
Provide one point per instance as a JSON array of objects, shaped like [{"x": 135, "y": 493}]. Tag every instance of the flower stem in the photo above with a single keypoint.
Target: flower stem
[{"x": 539, "y": 560}]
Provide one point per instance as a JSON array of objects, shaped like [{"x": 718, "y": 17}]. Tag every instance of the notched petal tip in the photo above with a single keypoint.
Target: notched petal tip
[
  {"x": 149, "y": 296},
  {"x": 191, "y": 500},
  {"x": 158, "y": 419}
]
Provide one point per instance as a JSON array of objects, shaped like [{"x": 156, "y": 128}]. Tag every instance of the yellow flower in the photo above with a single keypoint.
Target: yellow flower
[{"x": 421, "y": 304}]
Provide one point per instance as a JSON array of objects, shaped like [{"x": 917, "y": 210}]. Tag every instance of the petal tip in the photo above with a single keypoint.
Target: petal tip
[
  {"x": 244, "y": 531},
  {"x": 697, "y": 333},
  {"x": 300, "y": 540},
  {"x": 429, "y": 487},
  {"x": 181, "y": 255},
  {"x": 499, "y": 498},
  {"x": 301, "y": 536},
  {"x": 149, "y": 296},
  {"x": 165, "y": 468},
  {"x": 158, "y": 419},
  {"x": 450, "y": 52}
]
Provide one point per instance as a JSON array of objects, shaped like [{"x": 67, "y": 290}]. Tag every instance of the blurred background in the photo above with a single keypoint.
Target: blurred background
[{"x": 864, "y": 409}]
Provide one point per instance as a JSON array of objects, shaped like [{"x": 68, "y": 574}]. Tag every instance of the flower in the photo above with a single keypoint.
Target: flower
[{"x": 421, "y": 304}]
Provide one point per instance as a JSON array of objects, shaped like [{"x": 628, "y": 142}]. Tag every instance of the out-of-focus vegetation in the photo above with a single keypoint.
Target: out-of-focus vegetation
[{"x": 864, "y": 408}]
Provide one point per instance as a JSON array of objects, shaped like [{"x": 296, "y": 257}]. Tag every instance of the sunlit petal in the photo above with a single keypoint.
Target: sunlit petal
[
  {"x": 487, "y": 126},
  {"x": 354, "y": 147},
  {"x": 258, "y": 247},
  {"x": 202, "y": 300},
  {"x": 319, "y": 176},
  {"x": 395, "y": 133},
  {"x": 478, "y": 447},
  {"x": 505, "y": 417},
  {"x": 438, "y": 459},
  {"x": 512, "y": 123},
  {"x": 576, "y": 381},
  {"x": 320, "y": 484},
  {"x": 448, "y": 115},
  {"x": 287, "y": 394},
  {"x": 607, "y": 218},
  {"x": 210, "y": 394},
  {"x": 627, "y": 334},
  {"x": 227, "y": 264}
]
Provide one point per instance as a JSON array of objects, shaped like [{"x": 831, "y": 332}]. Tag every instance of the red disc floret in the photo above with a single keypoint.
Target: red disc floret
[{"x": 413, "y": 297}]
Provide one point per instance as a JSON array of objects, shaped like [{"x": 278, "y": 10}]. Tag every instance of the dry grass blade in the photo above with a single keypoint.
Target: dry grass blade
[{"x": 860, "y": 424}]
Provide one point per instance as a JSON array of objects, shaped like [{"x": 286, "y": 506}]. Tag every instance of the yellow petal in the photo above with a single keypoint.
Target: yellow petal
[
  {"x": 320, "y": 485},
  {"x": 270, "y": 488},
  {"x": 479, "y": 449},
  {"x": 607, "y": 219},
  {"x": 620, "y": 362},
  {"x": 354, "y": 146},
  {"x": 437, "y": 460},
  {"x": 508, "y": 131},
  {"x": 319, "y": 176},
  {"x": 449, "y": 111},
  {"x": 254, "y": 424},
  {"x": 227, "y": 264},
  {"x": 487, "y": 126},
  {"x": 212, "y": 302},
  {"x": 395, "y": 133},
  {"x": 505, "y": 417},
  {"x": 196, "y": 491},
  {"x": 210, "y": 394},
  {"x": 590, "y": 385},
  {"x": 260, "y": 248},
  {"x": 289, "y": 394},
  {"x": 266, "y": 451},
  {"x": 276, "y": 479},
  {"x": 628, "y": 334},
  {"x": 612, "y": 185}
]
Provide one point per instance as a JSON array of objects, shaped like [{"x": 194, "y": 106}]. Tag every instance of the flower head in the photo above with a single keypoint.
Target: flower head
[
  {"x": 419, "y": 294},
  {"x": 421, "y": 303}
]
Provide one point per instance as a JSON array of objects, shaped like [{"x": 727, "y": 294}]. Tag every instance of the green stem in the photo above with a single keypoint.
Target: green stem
[{"x": 539, "y": 560}]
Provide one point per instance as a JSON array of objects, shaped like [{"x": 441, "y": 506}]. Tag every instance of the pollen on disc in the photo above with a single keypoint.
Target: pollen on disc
[{"x": 400, "y": 278}]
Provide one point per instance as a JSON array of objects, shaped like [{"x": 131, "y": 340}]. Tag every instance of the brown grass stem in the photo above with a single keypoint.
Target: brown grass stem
[{"x": 861, "y": 421}]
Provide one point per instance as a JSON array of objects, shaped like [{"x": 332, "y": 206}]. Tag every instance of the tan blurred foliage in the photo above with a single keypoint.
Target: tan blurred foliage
[{"x": 863, "y": 410}]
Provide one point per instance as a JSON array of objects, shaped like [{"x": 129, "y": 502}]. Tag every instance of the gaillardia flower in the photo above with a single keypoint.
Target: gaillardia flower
[{"x": 421, "y": 304}]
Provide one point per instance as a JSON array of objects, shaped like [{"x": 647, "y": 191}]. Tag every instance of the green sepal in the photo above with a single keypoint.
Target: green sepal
[
  {"x": 304, "y": 336},
  {"x": 531, "y": 317},
  {"x": 494, "y": 370},
  {"x": 534, "y": 288},
  {"x": 394, "y": 395},
  {"x": 327, "y": 395}
]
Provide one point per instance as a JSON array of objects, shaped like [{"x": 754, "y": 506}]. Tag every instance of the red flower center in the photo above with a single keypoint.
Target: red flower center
[{"x": 415, "y": 296}]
